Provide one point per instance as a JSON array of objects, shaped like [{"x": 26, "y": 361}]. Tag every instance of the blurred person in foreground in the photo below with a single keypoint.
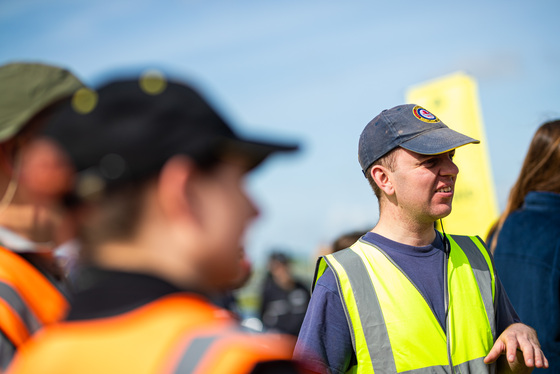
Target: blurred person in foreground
[
  {"x": 526, "y": 242},
  {"x": 408, "y": 298},
  {"x": 161, "y": 207},
  {"x": 284, "y": 298},
  {"x": 32, "y": 287}
]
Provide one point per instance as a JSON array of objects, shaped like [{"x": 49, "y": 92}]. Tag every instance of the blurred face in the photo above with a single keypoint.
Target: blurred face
[
  {"x": 225, "y": 212},
  {"x": 46, "y": 172},
  {"x": 45, "y": 176},
  {"x": 281, "y": 273},
  {"x": 424, "y": 185}
]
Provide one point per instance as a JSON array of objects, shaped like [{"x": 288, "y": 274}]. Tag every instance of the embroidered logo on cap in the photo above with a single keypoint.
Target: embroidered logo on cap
[{"x": 424, "y": 115}]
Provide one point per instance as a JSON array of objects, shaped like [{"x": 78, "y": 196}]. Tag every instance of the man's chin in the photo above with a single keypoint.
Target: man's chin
[{"x": 442, "y": 214}]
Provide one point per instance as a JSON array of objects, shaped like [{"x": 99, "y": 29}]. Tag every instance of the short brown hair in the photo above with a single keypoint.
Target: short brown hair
[
  {"x": 388, "y": 161},
  {"x": 112, "y": 217}
]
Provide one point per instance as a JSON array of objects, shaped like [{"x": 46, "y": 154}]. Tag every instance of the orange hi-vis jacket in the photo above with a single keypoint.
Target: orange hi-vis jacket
[
  {"x": 177, "y": 333},
  {"x": 28, "y": 300}
]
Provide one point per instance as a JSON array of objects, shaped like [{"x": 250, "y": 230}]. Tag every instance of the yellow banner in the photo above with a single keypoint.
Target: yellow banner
[{"x": 454, "y": 99}]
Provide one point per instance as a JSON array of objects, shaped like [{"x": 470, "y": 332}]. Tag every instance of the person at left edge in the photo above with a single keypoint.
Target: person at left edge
[
  {"x": 161, "y": 210},
  {"x": 32, "y": 287}
]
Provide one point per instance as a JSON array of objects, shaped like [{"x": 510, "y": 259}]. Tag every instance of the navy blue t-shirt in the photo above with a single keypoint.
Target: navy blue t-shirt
[{"x": 325, "y": 342}]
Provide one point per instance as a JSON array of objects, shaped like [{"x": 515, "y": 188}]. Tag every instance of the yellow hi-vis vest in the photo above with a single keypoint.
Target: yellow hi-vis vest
[{"x": 392, "y": 326}]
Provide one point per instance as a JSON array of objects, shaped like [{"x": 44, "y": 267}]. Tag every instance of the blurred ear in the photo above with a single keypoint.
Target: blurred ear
[
  {"x": 8, "y": 150},
  {"x": 46, "y": 172},
  {"x": 174, "y": 189},
  {"x": 381, "y": 176}
]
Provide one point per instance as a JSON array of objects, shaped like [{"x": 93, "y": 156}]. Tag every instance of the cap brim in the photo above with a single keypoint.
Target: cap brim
[
  {"x": 437, "y": 141},
  {"x": 255, "y": 151}
]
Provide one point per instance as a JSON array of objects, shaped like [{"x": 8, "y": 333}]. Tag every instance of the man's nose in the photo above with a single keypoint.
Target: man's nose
[{"x": 449, "y": 168}]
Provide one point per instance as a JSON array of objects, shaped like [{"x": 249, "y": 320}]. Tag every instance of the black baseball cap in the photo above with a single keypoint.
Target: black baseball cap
[
  {"x": 128, "y": 128},
  {"x": 411, "y": 127}
]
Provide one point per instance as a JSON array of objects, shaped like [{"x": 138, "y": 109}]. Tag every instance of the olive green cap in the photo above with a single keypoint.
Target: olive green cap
[{"x": 28, "y": 88}]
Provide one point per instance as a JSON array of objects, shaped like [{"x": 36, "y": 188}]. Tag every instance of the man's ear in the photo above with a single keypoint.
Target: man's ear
[
  {"x": 381, "y": 176},
  {"x": 7, "y": 156},
  {"x": 174, "y": 188}
]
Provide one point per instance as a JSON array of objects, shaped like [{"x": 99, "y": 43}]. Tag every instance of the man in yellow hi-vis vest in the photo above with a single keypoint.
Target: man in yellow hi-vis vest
[{"x": 405, "y": 297}]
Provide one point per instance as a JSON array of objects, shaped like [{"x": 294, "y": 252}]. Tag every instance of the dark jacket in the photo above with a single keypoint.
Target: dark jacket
[
  {"x": 283, "y": 310},
  {"x": 527, "y": 258}
]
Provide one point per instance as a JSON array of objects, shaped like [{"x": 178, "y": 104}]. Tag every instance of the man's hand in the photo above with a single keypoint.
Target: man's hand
[{"x": 518, "y": 337}]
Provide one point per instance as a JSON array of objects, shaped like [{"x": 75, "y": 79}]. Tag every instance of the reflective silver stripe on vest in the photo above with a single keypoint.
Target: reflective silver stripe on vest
[
  {"x": 7, "y": 351},
  {"x": 369, "y": 310},
  {"x": 481, "y": 273},
  {"x": 474, "y": 366},
  {"x": 435, "y": 370},
  {"x": 13, "y": 298},
  {"x": 194, "y": 353}
]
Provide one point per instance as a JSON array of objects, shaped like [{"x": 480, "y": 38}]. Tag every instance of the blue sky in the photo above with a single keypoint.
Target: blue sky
[{"x": 314, "y": 72}]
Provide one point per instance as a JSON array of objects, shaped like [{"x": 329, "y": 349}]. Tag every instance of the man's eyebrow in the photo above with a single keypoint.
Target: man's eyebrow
[{"x": 426, "y": 157}]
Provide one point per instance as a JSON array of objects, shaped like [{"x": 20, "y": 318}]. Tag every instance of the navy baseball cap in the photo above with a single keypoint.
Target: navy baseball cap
[
  {"x": 411, "y": 127},
  {"x": 128, "y": 128}
]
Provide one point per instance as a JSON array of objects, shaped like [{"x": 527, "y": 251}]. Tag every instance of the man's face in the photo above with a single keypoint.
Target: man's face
[
  {"x": 424, "y": 185},
  {"x": 45, "y": 176},
  {"x": 46, "y": 172},
  {"x": 226, "y": 212}
]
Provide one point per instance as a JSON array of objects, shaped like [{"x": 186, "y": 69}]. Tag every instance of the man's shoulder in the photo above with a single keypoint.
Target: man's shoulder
[
  {"x": 472, "y": 241},
  {"x": 348, "y": 256},
  {"x": 327, "y": 281}
]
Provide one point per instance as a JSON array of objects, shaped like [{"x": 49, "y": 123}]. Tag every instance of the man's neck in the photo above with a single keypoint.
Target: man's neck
[
  {"x": 144, "y": 257},
  {"x": 30, "y": 222},
  {"x": 404, "y": 231}
]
